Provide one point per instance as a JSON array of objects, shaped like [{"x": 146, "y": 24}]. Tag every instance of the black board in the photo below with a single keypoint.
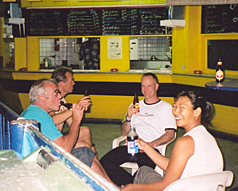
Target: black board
[
  {"x": 137, "y": 21},
  {"x": 77, "y": 22},
  {"x": 46, "y": 22},
  {"x": 84, "y": 22},
  {"x": 226, "y": 50},
  {"x": 219, "y": 18}
]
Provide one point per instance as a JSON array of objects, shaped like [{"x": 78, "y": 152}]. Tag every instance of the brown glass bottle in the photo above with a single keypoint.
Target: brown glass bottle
[
  {"x": 88, "y": 109},
  {"x": 67, "y": 105},
  {"x": 136, "y": 101},
  {"x": 220, "y": 74}
]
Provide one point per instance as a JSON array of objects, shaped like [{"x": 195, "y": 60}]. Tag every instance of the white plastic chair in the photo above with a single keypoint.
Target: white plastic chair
[
  {"x": 209, "y": 182},
  {"x": 133, "y": 165}
]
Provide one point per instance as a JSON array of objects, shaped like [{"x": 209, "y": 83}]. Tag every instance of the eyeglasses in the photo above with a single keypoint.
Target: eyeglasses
[{"x": 56, "y": 92}]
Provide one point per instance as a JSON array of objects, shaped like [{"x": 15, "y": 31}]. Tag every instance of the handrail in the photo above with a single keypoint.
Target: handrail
[
  {"x": 6, "y": 116},
  {"x": 29, "y": 139}
]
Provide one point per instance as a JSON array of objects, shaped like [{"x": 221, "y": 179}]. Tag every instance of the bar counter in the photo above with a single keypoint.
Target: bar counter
[{"x": 112, "y": 92}]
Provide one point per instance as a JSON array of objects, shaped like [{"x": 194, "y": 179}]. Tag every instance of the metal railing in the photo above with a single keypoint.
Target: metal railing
[
  {"x": 7, "y": 115},
  {"x": 24, "y": 138}
]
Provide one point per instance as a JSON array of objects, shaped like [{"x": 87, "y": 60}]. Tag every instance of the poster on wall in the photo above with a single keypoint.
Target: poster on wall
[{"x": 114, "y": 48}]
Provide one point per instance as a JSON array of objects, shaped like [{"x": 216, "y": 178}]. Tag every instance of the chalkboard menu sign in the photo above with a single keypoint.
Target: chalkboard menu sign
[
  {"x": 220, "y": 18},
  {"x": 142, "y": 21},
  {"x": 226, "y": 50},
  {"x": 119, "y": 21},
  {"x": 46, "y": 22},
  {"x": 84, "y": 22},
  {"x": 80, "y": 22},
  {"x": 149, "y": 20}
]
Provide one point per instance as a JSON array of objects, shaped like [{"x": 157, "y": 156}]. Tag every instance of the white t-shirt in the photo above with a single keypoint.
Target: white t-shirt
[
  {"x": 207, "y": 157},
  {"x": 153, "y": 120}
]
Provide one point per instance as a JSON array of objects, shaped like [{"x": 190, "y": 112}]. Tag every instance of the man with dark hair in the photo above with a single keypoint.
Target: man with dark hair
[
  {"x": 90, "y": 53},
  {"x": 64, "y": 78},
  {"x": 44, "y": 97},
  {"x": 153, "y": 122}
]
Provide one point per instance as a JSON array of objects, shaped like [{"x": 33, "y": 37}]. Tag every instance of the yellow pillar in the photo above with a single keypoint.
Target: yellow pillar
[
  {"x": 122, "y": 62},
  {"x": 187, "y": 42},
  {"x": 33, "y": 56},
  {"x": 20, "y": 53}
]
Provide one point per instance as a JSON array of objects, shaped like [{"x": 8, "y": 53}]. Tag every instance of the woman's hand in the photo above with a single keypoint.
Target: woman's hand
[
  {"x": 142, "y": 145},
  {"x": 128, "y": 187}
]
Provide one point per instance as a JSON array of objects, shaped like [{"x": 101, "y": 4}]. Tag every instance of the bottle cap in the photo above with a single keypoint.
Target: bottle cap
[{"x": 219, "y": 62}]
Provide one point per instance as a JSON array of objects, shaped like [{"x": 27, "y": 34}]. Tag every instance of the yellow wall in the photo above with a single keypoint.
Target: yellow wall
[
  {"x": 82, "y": 3},
  {"x": 20, "y": 53},
  {"x": 33, "y": 54},
  {"x": 186, "y": 42},
  {"x": 190, "y": 46},
  {"x": 106, "y": 63}
]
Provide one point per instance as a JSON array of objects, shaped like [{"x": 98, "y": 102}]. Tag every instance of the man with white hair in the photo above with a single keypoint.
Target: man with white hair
[{"x": 44, "y": 97}]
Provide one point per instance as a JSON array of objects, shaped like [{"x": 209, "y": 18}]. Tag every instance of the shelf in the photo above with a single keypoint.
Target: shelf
[{"x": 173, "y": 23}]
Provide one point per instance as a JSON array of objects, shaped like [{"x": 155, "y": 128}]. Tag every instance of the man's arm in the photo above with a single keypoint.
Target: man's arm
[
  {"x": 68, "y": 141},
  {"x": 60, "y": 117},
  {"x": 67, "y": 114},
  {"x": 165, "y": 138},
  {"x": 125, "y": 127}
]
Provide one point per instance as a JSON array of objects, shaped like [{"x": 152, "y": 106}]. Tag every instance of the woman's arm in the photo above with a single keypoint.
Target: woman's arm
[
  {"x": 160, "y": 160},
  {"x": 182, "y": 151}
]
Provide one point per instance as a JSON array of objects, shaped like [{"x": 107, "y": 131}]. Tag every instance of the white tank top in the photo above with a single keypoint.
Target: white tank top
[{"x": 207, "y": 157}]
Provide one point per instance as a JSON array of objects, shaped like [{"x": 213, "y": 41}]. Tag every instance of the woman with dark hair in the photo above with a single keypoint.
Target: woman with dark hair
[{"x": 195, "y": 153}]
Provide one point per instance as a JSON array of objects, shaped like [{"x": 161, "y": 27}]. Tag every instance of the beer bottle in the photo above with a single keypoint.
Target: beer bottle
[
  {"x": 87, "y": 110},
  {"x": 220, "y": 74},
  {"x": 132, "y": 147},
  {"x": 67, "y": 105},
  {"x": 136, "y": 101}
]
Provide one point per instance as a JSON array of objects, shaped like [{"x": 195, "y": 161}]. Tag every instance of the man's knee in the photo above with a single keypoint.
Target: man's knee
[
  {"x": 85, "y": 131},
  {"x": 147, "y": 175}
]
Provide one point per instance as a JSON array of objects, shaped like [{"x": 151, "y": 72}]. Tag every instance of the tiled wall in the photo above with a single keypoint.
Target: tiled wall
[
  {"x": 153, "y": 46},
  {"x": 68, "y": 49}
]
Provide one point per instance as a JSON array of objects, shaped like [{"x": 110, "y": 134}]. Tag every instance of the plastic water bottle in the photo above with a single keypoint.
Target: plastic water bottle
[{"x": 132, "y": 147}]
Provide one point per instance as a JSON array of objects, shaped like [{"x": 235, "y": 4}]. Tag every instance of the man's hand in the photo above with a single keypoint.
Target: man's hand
[
  {"x": 85, "y": 102},
  {"x": 77, "y": 111},
  {"x": 131, "y": 111}
]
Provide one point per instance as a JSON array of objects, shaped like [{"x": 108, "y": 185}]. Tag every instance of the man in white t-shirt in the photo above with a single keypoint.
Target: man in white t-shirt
[{"x": 153, "y": 122}]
